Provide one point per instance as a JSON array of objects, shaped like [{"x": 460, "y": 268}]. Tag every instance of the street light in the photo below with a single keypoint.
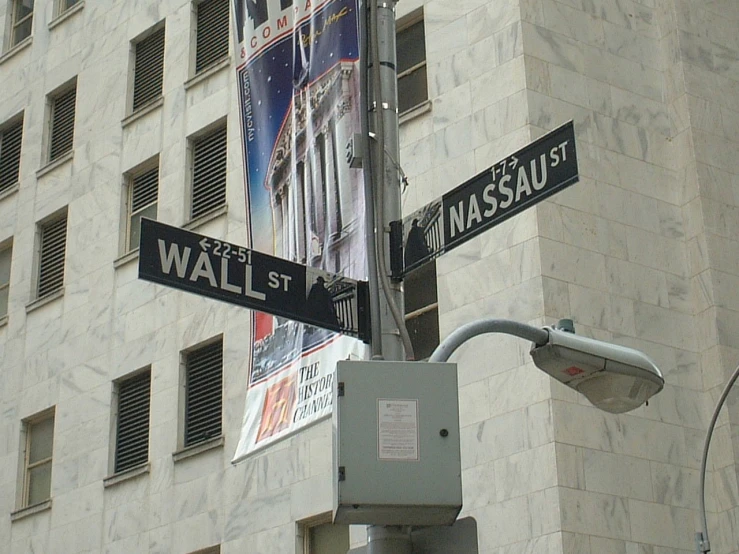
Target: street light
[{"x": 613, "y": 378}]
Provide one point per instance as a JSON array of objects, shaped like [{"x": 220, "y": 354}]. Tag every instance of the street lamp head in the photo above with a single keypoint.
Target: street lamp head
[{"x": 614, "y": 378}]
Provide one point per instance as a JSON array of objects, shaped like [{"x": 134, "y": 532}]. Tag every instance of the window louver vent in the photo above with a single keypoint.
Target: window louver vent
[
  {"x": 144, "y": 189},
  {"x": 212, "y": 33},
  {"x": 148, "y": 69},
  {"x": 10, "y": 155},
  {"x": 132, "y": 435},
  {"x": 209, "y": 172},
  {"x": 204, "y": 393},
  {"x": 62, "y": 123},
  {"x": 51, "y": 259}
]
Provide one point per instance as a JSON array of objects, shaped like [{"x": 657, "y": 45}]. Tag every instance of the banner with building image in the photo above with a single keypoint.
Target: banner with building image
[{"x": 298, "y": 79}]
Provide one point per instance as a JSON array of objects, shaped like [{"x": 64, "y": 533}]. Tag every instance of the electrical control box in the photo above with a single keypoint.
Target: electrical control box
[{"x": 396, "y": 443}]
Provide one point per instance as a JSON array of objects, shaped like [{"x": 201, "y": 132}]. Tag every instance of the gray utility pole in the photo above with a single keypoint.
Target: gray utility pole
[
  {"x": 386, "y": 198},
  {"x": 386, "y": 183}
]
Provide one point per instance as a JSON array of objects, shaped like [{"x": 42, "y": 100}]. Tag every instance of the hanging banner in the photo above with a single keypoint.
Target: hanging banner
[{"x": 298, "y": 80}]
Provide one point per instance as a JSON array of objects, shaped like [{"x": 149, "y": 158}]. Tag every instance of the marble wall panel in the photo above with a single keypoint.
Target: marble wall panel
[
  {"x": 494, "y": 438},
  {"x": 570, "y": 21},
  {"x": 312, "y": 496},
  {"x": 498, "y": 531},
  {"x": 546, "y": 516},
  {"x": 77, "y": 505},
  {"x": 525, "y": 472},
  {"x": 505, "y": 387},
  {"x": 198, "y": 531},
  {"x": 563, "y": 261},
  {"x": 454, "y": 140},
  {"x": 439, "y": 14},
  {"x": 259, "y": 514},
  {"x": 452, "y": 107},
  {"x": 497, "y": 83},
  {"x": 595, "y": 514},
  {"x": 507, "y": 45},
  {"x": 445, "y": 39},
  {"x": 660, "y": 525},
  {"x": 503, "y": 117}
]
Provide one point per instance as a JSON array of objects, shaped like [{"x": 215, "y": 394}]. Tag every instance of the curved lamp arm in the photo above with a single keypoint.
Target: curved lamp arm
[
  {"x": 613, "y": 378},
  {"x": 461, "y": 335},
  {"x": 701, "y": 539}
]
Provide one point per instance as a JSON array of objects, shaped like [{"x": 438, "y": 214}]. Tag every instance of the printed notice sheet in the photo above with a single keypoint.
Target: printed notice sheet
[{"x": 397, "y": 430}]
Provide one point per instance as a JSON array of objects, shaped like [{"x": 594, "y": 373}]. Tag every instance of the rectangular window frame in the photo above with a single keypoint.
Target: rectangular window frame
[
  {"x": 202, "y": 61},
  {"x": 200, "y": 190},
  {"x": 10, "y": 163},
  {"x": 404, "y": 24},
  {"x": 16, "y": 21},
  {"x": 119, "y": 438},
  {"x": 44, "y": 256},
  {"x": 308, "y": 526},
  {"x": 60, "y": 141},
  {"x": 6, "y": 249},
  {"x": 27, "y": 425},
  {"x": 423, "y": 275},
  {"x": 140, "y": 97},
  {"x": 63, "y": 6},
  {"x": 186, "y": 441},
  {"x": 132, "y": 178}
]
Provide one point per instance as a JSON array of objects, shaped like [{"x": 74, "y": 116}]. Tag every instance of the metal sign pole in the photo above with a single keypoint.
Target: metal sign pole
[
  {"x": 386, "y": 183},
  {"x": 386, "y": 540}
]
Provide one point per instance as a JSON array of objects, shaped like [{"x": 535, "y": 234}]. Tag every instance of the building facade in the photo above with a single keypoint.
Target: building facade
[{"x": 122, "y": 401}]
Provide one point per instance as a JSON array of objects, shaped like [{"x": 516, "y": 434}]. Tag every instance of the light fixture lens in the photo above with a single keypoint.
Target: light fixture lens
[{"x": 617, "y": 393}]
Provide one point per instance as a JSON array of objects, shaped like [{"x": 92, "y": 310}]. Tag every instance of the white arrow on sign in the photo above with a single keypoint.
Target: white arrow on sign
[{"x": 204, "y": 244}]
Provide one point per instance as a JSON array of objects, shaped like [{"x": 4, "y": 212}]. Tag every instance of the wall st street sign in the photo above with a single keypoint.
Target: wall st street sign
[
  {"x": 523, "y": 179},
  {"x": 210, "y": 267}
]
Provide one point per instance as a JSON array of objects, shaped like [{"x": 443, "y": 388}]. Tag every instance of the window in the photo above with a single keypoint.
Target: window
[
  {"x": 209, "y": 164},
  {"x": 61, "y": 122},
  {"x": 132, "y": 421},
  {"x": 21, "y": 20},
  {"x": 10, "y": 153},
  {"x": 38, "y": 448},
  {"x": 411, "y": 47},
  {"x": 6, "y": 254},
  {"x": 53, "y": 243},
  {"x": 211, "y": 33},
  {"x": 203, "y": 393},
  {"x": 323, "y": 537},
  {"x": 142, "y": 202},
  {"x": 422, "y": 310},
  {"x": 148, "y": 68},
  {"x": 64, "y": 5}
]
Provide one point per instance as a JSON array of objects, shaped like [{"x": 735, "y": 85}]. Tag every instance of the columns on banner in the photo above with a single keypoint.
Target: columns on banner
[
  {"x": 299, "y": 220},
  {"x": 333, "y": 193}
]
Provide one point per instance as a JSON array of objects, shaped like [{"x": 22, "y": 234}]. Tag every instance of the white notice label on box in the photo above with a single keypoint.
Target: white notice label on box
[{"x": 397, "y": 430}]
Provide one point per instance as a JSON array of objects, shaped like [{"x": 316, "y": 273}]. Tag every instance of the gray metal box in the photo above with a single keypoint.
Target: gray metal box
[{"x": 396, "y": 443}]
